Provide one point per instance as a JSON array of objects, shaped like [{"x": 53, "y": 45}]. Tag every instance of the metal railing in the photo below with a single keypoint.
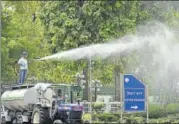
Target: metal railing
[{"x": 112, "y": 107}]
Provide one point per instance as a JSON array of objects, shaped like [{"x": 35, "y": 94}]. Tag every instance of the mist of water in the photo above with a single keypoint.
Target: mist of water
[
  {"x": 155, "y": 35},
  {"x": 157, "y": 49}
]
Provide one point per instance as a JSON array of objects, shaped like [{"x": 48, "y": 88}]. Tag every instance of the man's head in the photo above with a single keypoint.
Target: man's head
[{"x": 24, "y": 54}]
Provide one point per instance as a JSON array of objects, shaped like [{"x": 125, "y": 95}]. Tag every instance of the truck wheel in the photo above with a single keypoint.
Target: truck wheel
[
  {"x": 20, "y": 121},
  {"x": 14, "y": 120},
  {"x": 3, "y": 120},
  {"x": 41, "y": 116},
  {"x": 57, "y": 122}
]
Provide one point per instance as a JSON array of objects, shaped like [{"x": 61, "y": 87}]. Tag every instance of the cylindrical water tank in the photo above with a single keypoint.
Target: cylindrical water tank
[
  {"x": 14, "y": 99},
  {"x": 19, "y": 99}
]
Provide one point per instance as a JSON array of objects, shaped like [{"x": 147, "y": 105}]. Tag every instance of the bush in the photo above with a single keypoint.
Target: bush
[
  {"x": 157, "y": 114},
  {"x": 175, "y": 121},
  {"x": 172, "y": 108},
  {"x": 154, "y": 121},
  {"x": 135, "y": 120},
  {"x": 107, "y": 117},
  {"x": 164, "y": 120},
  {"x": 86, "y": 117},
  {"x": 97, "y": 106},
  {"x": 156, "y": 111},
  {"x": 142, "y": 114}
]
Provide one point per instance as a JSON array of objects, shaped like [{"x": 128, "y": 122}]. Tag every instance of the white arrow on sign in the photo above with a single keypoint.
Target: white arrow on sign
[{"x": 134, "y": 107}]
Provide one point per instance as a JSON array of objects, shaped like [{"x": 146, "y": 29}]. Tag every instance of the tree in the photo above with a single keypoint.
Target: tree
[
  {"x": 94, "y": 22},
  {"x": 21, "y": 32}
]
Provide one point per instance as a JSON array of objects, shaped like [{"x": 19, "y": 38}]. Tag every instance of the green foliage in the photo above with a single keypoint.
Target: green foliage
[
  {"x": 163, "y": 120},
  {"x": 138, "y": 120},
  {"x": 97, "y": 106},
  {"x": 156, "y": 111},
  {"x": 107, "y": 117},
  {"x": 20, "y": 33},
  {"x": 94, "y": 22},
  {"x": 157, "y": 114},
  {"x": 86, "y": 117},
  {"x": 172, "y": 108},
  {"x": 45, "y": 28},
  {"x": 171, "y": 119}
]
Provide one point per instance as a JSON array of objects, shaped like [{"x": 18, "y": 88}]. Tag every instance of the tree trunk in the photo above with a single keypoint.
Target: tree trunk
[{"x": 117, "y": 83}]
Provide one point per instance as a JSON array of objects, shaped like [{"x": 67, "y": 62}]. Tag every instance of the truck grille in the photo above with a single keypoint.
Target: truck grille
[
  {"x": 75, "y": 115},
  {"x": 72, "y": 115}
]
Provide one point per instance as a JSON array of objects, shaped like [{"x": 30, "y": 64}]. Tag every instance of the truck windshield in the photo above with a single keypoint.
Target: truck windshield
[{"x": 67, "y": 90}]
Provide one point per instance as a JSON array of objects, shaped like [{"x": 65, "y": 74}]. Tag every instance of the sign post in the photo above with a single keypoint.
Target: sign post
[
  {"x": 134, "y": 95},
  {"x": 147, "y": 104},
  {"x": 121, "y": 97}
]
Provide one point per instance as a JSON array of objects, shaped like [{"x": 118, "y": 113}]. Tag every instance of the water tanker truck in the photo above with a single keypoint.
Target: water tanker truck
[{"x": 41, "y": 103}]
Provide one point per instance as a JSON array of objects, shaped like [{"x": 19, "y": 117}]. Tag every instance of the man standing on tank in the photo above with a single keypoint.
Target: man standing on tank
[{"x": 23, "y": 63}]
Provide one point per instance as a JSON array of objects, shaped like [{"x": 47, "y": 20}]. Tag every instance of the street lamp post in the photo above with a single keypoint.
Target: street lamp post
[{"x": 90, "y": 77}]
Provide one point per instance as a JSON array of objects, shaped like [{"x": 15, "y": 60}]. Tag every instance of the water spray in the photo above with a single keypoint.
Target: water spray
[{"x": 155, "y": 45}]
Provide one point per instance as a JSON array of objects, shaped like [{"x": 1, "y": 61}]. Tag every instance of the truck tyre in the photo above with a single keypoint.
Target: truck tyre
[
  {"x": 14, "y": 120},
  {"x": 20, "y": 121},
  {"x": 40, "y": 116},
  {"x": 3, "y": 120},
  {"x": 57, "y": 122}
]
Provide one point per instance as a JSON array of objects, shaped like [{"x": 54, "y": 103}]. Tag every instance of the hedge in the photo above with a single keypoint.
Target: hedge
[
  {"x": 172, "y": 108},
  {"x": 156, "y": 111},
  {"x": 157, "y": 114},
  {"x": 107, "y": 117}
]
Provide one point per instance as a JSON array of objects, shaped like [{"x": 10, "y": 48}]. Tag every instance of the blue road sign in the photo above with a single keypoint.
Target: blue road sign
[{"x": 134, "y": 94}]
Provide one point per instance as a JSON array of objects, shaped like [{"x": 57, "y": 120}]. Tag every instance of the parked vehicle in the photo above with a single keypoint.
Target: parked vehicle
[{"x": 39, "y": 103}]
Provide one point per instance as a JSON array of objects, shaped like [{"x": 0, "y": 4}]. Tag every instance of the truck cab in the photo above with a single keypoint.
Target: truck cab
[{"x": 68, "y": 108}]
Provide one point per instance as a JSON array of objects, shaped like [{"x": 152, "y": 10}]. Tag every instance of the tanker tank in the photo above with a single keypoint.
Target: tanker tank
[{"x": 19, "y": 99}]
